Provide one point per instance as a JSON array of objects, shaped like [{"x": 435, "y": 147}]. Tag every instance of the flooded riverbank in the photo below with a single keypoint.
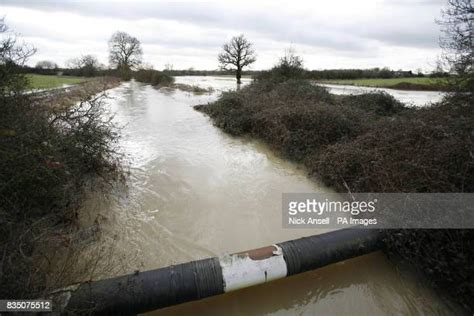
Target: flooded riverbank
[
  {"x": 409, "y": 97},
  {"x": 414, "y": 98},
  {"x": 196, "y": 192}
]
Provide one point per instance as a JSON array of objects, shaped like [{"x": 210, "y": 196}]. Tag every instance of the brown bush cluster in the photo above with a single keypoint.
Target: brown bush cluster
[
  {"x": 425, "y": 150},
  {"x": 52, "y": 147},
  {"x": 370, "y": 143},
  {"x": 281, "y": 116}
]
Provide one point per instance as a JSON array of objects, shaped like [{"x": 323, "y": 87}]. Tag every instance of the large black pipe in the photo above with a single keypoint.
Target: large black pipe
[
  {"x": 154, "y": 289},
  {"x": 309, "y": 253}
]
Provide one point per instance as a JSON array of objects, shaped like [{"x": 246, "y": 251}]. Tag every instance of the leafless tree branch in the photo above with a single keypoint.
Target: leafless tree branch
[{"x": 236, "y": 55}]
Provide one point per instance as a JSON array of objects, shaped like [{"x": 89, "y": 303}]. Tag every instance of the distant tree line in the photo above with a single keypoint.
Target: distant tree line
[
  {"x": 69, "y": 71},
  {"x": 125, "y": 59},
  {"x": 383, "y": 73},
  {"x": 375, "y": 73}
]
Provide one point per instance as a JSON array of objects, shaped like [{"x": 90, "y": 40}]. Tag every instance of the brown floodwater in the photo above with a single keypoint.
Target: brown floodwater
[{"x": 195, "y": 192}]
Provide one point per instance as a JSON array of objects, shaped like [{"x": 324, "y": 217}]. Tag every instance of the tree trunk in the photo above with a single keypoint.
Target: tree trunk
[{"x": 238, "y": 75}]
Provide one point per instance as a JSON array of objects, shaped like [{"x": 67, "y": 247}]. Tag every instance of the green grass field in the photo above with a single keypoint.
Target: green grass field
[
  {"x": 48, "y": 82},
  {"x": 387, "y": 83}
]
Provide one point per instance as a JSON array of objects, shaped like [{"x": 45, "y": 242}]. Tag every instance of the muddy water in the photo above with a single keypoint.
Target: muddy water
[{"x": 195, "y": 192}]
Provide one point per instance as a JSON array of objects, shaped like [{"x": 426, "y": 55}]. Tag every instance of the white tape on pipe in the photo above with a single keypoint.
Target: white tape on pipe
[{"x": 240, "y": 271}]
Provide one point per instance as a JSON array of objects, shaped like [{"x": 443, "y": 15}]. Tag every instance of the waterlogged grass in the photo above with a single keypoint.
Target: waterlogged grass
[
  {"x": 48, "y": 82},
  {"x": 434, "y": 83}
]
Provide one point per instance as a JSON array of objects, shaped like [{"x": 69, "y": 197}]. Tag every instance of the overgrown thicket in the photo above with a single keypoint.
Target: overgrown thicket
[
  {"x": 372, "y": 143},
  {"x": 383, "y": 73},
  {"x": 153, "y": 77},
  {"x": 368, "y": 143},
  {"x": 423, "y": 150},
  {"x": 51, "y": 148},
  {"x": 294, "y": 116}
]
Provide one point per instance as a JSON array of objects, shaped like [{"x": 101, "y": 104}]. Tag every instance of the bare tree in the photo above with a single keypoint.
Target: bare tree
[
  {"x": 125, "y": 51},
  {"x": 236, "y": 55},
  {"x": 73, "y": 63},
  {"x": 457, "y": 41},
  {"x": 87, "y": 65},
  {"x": 46, "y": 64},
  {"x": 12, "y": 56},
  {"x": 169, "y": 67},
  {"x": 11, "y": 52},
  {"x": 146, "y": 66}
]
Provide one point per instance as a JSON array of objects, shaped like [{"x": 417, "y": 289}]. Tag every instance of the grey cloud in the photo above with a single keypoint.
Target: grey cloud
[
  {"x": 272, "y": 23},
  {"x": 403, "y": 23}
]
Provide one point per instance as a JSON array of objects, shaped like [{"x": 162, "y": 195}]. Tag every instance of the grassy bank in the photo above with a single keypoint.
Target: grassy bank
[
  {"x": 369, "y": 143},
  {"x": 48, "y": 82},
  {"x": 412, "y": 83}
]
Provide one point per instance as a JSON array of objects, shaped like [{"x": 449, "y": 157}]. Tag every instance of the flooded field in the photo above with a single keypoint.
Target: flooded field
[
  {"x": 195, "y": 192},
  {"x": 411, "y": 98}
]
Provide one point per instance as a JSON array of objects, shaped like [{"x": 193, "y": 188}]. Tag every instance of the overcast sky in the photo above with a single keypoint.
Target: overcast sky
[{"x": 327, "y": 34}]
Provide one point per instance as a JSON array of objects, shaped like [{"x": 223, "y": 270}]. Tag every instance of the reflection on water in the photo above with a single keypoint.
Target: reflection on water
[
  {"x": 195, "y": 192},
  {"x": 219, "y": 83},
  {"x": 368, "y": 285}
]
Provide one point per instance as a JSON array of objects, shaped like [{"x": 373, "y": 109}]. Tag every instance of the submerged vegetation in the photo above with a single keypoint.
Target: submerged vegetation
[
  {"x": 410, "y": 83},
  {"x": 368, "y": 143}
]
